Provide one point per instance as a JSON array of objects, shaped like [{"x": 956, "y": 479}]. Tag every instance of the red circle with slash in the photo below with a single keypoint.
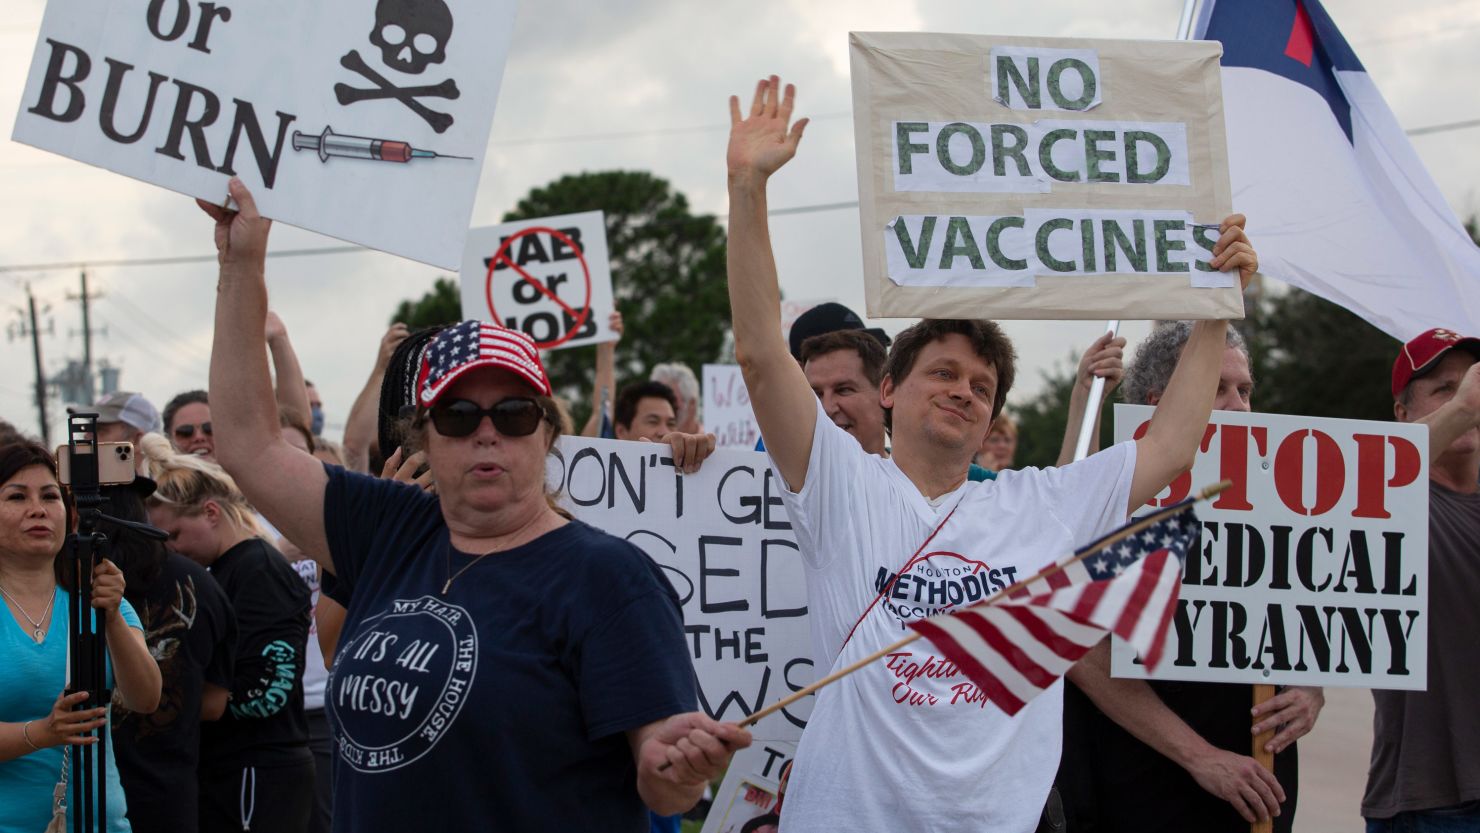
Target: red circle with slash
[{"x": 503, "y": 255}]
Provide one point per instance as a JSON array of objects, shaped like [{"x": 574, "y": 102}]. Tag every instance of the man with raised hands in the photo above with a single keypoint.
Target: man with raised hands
[{"x": 908, "y": 742}]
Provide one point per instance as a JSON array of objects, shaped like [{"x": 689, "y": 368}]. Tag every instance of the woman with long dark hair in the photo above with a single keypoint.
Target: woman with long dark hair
[{"x": 36, "y": 719}]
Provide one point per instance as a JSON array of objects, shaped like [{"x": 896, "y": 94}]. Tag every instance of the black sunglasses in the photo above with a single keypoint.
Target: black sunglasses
[
  {"x": 185, "y": 432},
  {"x": 511, "y": 417}
]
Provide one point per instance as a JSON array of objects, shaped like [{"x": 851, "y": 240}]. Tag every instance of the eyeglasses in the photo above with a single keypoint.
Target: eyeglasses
[
  {"x": 511, "y": 417},
  {"x": 185, "y": 432}
]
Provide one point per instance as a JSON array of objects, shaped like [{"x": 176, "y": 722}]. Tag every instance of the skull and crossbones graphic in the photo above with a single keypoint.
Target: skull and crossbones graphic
[{"x": 411, "y": 36}]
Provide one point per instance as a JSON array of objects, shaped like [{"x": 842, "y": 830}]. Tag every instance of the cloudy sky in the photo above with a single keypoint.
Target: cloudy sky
[{"x": 625, "y": 84}]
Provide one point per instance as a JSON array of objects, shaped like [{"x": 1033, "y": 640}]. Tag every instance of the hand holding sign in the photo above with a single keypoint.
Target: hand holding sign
[
  {"x": 1234, "y": 249},
  {"x": 1292, "y": 711},
  {"x": 761, "y": 143},
  {"x": 241, "y": 235}
]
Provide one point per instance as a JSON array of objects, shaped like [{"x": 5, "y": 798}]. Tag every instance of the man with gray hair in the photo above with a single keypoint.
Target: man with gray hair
[
  {"x": 1190, "y": 740},
  {"x": 685, "y": 386},
  {"x": 1151, "y": 369}
]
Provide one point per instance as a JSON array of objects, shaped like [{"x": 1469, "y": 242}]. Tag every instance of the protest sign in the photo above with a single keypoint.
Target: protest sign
[
  {"x": 1313, "y": 566},
  {"x": 339, "y": 115},
  {"x": 549, "y": 278},
  {"x": 727, "y": 412},
  {"x": 1008, "y": 177},
  {"x": 749, "y": 799},
  {"x": 724, "y": 541}
]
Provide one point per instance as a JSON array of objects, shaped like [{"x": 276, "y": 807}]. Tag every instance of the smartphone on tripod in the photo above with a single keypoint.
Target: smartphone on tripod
[{"x": 115, "y": 462}]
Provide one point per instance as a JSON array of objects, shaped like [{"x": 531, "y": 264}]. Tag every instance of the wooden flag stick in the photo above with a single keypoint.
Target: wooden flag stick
[
  {"x": 1263, "y": 692},
  {"x": 1093, "y": 548}
]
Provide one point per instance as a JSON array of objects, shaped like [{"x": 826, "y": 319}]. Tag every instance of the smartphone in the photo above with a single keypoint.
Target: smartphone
[{"x": 115, "y": 463}]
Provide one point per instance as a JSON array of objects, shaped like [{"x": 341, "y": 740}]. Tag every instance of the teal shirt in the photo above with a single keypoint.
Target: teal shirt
[
  {"x": 34, "y": 674},
  {"x": 978, "y": 473}
]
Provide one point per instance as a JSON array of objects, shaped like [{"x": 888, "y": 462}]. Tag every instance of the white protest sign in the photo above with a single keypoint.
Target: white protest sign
[
  {"x": 549, "y": 278},
  {"x": 727, "y": 412},
  {"x": 723, "y": 539},
  {"x": 1009, "y": 177},
  {"x": 749, "y": 799},
  {"x": 364, "y": 121},
  {"x": 1313, "y": 567}
]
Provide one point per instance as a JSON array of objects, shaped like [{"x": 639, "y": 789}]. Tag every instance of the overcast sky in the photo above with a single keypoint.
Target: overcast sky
[{"x": 657, "y": 74}]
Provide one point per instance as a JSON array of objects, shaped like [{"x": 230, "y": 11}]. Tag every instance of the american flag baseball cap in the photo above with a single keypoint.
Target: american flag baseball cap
[
  {"x": 1424, "y": 351},
  {"x": 473, "y": 344}
]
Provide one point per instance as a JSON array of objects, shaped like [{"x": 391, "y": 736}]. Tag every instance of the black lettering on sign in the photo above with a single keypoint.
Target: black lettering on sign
[
  {"x": 746, "y": 709},
  {"x": 531, "y": 249},
  {"x": 706, "y": 544},
  {"x": 799, "y": 667}
]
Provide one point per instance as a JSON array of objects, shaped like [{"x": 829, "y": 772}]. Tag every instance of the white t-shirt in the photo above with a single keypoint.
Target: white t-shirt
[{"x": 908, "y": 742}]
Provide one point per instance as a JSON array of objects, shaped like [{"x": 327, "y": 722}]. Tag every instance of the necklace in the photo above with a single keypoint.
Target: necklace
[
  {"x": 38, "y": 629},
  {"x": 451, "y": 577}
]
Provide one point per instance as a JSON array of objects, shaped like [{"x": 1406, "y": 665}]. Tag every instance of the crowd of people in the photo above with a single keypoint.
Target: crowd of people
[{"x": 497, "y": 663}]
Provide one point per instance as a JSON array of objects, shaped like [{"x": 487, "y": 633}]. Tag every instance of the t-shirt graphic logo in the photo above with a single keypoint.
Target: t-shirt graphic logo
[
  {"x": 936, "y": 582},
  {"x": 400, "y": 682}
]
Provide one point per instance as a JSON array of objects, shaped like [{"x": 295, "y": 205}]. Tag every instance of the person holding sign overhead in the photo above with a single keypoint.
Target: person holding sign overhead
[
  {"x": 910, "y": 742},
  {"x": 1191, "y": 740},
  {"x": 513, "y": 666}
]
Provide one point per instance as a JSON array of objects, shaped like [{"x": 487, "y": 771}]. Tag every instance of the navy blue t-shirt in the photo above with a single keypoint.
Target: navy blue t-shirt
[{"x": 501, "y": 705}]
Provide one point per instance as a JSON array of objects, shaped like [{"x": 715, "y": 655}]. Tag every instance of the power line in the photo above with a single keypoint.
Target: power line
[
  {"x": 326, "y": 250},
  {"x": 1443, "y": 128},
  {"x": 640, "y": 134}
]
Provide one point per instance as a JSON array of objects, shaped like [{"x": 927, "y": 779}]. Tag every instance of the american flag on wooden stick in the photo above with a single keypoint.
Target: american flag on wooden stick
[{"x": 1018, "y": 643}]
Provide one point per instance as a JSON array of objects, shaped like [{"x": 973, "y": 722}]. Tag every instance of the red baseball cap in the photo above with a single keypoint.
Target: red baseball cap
[
  {"x": 1424, "y": 351},
  {"x": 473, "y": 344}
]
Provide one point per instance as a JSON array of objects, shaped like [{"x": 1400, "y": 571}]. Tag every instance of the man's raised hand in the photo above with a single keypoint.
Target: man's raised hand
[{"x": 765, "y": 140}]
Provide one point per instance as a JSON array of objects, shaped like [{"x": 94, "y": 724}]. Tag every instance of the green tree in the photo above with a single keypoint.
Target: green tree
[
  {"x": 443, "y": 305},
  {"x": 1040, "y": 419},
  {"x": 1314, "y": 358},
  {"x": 668, "y": 277}
]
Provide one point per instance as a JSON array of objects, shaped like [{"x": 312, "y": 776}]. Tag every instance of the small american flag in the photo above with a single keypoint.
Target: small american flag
[
  {"x": 1020, "y": 644},
  {"x": 471, "y": 344}
]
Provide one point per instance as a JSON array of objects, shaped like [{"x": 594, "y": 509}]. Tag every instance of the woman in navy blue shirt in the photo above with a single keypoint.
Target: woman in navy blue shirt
[{"x": 500, "y": 664}]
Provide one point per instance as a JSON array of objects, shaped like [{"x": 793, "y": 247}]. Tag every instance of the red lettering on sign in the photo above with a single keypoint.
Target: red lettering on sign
[
  {"x": 1289, "y": 472},
  {"x": 1233, "y": 464},
  {"x": 1372, "y": 472}
]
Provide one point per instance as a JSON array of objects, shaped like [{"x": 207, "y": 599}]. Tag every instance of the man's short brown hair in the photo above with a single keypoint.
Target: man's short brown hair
[
  {"x": 987, "y": 339},
  {"x": 868, "y": 348}
]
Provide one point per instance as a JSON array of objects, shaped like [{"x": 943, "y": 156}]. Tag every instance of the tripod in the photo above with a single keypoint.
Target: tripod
[{"x": 87, "y": 646}]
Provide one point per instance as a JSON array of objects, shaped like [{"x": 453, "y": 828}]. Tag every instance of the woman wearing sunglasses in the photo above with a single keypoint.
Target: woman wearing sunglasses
[{"x": 498, "y": 660}]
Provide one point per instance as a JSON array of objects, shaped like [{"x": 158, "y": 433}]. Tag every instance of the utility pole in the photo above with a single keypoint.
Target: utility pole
[
  {"x": 87, "y": 334},
  {"x": 40, "y": 377}
]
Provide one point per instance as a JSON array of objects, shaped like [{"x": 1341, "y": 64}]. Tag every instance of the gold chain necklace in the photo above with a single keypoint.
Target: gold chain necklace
[
  {"x": 450, "y": 577},
  {"x": 38, "y": 629}
]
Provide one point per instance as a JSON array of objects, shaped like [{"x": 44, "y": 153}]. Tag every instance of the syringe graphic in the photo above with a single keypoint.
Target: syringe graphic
[{"x": 330, "y": 144}]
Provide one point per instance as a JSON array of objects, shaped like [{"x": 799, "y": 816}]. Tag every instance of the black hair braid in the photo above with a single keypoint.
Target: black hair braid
[{"x": 398, "y": 389}]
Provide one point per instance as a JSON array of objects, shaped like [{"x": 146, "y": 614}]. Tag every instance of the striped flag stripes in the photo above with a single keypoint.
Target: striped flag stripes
[{"x": 1019, "y": 644}]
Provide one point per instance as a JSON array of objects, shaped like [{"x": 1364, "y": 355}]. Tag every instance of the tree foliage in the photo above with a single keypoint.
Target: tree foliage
[
  {"x": 668, "y": 277},
  {"x": 443, "y": 305},
  {"x": 1310, "y": 358}
]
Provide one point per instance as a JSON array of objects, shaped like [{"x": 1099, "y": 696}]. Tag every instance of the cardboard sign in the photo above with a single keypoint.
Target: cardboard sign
[
  {"x": 339, "y": 115},
  {"x": 748, "y": 800},
  {"x": 549, "y": 278},
  {"x": 723, "y": 539},
  {"x": 727, "y": 412},
  {"x": 1004, "y": 177},
  {"x": 1313, "y": 567}
]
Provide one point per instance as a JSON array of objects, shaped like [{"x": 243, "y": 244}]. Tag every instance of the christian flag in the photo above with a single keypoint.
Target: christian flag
[
  {"x": 1019, "y": 645},
  {"x": 1337, "y": 200}
]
